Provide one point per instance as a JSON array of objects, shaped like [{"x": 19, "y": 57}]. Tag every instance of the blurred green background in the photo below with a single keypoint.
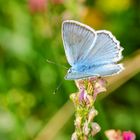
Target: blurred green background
[{"x": 30, "y": 33}]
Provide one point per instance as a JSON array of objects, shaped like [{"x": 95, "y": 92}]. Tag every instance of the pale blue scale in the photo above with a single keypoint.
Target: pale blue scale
[{"x": 89, "y": 52}]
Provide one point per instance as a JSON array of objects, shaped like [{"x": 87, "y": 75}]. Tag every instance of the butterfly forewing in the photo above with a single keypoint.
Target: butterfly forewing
[{"x": 78, "y": 39}]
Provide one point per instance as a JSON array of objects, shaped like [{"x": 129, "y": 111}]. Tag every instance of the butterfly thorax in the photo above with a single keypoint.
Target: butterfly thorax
[
  {"x": 78, "y": 72},
  {"x": 80, "y": 68}
]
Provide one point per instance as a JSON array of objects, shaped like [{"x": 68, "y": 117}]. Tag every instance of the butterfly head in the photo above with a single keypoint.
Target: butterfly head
[
  {"x": 75, "y": 72},
  {"x": 72, "y": 72}
]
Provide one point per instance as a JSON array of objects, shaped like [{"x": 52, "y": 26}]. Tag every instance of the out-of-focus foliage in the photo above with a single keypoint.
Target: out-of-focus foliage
[{"x": 30, "y": 33}]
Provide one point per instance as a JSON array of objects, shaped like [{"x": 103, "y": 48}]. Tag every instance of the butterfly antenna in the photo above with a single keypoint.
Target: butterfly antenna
[
  {"x": 51, "y": 62},
  {"x": 56, "y": 90}
]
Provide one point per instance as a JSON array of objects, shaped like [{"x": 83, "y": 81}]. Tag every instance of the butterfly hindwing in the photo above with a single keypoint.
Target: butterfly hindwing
[
  {"x": 105, "y": 70},
  {"x": 100, "y": 70},
  {"x": 106, "y": 50}
]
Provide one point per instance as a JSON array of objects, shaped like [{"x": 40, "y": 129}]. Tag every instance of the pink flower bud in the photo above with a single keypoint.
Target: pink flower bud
[
  {"x": 99, "y": 86},
  {"x": 86, "y": 128},
  {"x": 74, "y": 136},
  {"x": 128, "y": 135},
  {"x": 85, "y": 98},
  {"x": 80, "y": 84},
  {"x": 82, "y": 95},
  {"x": 113, "y": 134},
  {"x": 93, "y": 112},
  {"x": 95, "y": 128}
]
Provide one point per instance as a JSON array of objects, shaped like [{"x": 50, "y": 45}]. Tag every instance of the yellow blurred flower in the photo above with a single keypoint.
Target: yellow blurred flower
[
  {"x": 114, "y": 5},
  {"x": 92, "y": 17}
]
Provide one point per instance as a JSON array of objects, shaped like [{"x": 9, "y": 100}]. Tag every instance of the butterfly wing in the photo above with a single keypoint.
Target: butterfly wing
[
  {"x": 98, "y": 51},
  {"x": 105, "y": 70},
  {"x": 106, "y": 50},
  {"x": 78, "y": 40},
  {"x": 102, "y": 58},
  {"x": 100, "y": 70}
]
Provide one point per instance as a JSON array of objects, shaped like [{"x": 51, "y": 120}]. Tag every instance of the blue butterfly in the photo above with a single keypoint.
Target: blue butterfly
[{"x": 90, "y": 53}]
